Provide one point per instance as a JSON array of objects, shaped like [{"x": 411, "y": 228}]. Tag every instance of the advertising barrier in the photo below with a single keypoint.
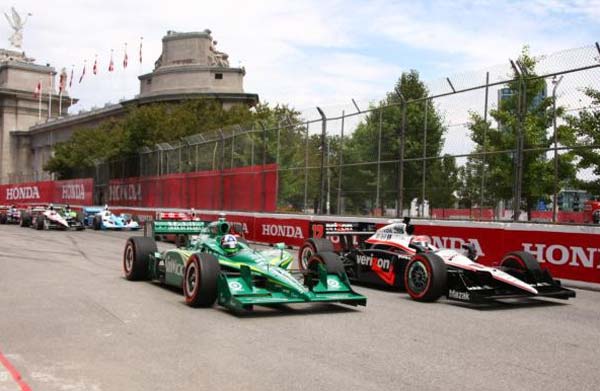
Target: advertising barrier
[
  {"x": 247, "y": 188},
  {"x": 76, "y": 191}
]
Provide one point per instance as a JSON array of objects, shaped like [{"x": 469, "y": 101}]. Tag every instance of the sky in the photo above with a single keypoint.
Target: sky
[{"x": 302, "y": 53}]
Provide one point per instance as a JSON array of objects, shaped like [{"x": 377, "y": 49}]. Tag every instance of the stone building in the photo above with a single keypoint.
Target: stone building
[{"x": 189, "y": 67}]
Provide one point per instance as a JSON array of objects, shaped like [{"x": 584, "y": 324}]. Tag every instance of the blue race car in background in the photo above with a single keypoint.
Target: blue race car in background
[{"x": 102, "y": 218}]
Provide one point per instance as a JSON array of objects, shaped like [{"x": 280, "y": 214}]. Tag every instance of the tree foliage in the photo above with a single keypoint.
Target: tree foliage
[{"x": 534, "y": 119}]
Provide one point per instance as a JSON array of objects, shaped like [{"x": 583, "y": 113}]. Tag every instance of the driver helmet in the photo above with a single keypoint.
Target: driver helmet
[
  {"x": 51, "y": 207},
  {"x": 67, "y": 208},
  {"x": 229, "y": 244}
]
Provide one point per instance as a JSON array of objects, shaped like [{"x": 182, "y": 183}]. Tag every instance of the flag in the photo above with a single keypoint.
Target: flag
[
  {"x": 82, "y": 73},
  {"x": 71, "y": 79},
  {"x": 62, "y": 81},
  {"x": 111, "y": 65},
  {"x": 141, "y": 40},
  {"x": 38, "y": 90},
  {"x": 125, "y": 58},
  {"x": 95, "y": 68}
]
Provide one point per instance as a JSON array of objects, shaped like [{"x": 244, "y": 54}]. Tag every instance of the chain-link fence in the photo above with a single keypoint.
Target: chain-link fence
[{"x": 505, "y": 143}]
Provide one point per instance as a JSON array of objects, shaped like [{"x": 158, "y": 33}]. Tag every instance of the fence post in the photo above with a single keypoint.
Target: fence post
[
  {"x": 321, "y": 176},
  {"x": 521, "y": 109},
  {"x": 399, "y": 206},
  {"x": 264, "y": 163},
  {"x": 341, "y": 162},
  {"x": 485, "y": 115},
  {"x": 222, "y": 187},
  {"x": 306, "y": 169},
  {"x": 556, "y": 183},
  {"x": 378, "y": 180},
  {"x": 424, "y": 168}
]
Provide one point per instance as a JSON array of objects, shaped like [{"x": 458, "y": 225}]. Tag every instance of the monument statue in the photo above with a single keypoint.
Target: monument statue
[
  {"x": 217, "y": 58},
  {"x": 16, "y": 39}
]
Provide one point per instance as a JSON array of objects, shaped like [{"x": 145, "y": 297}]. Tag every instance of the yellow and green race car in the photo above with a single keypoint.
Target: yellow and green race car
[{"x": 218, "y": 265}]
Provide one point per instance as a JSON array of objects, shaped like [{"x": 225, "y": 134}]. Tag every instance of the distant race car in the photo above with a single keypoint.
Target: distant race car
[
  {"x": 219, "y": 266},
  {"x": 51, "y": 217},
  {"x": 393, "y": 257},
  {"x": 179, "y": 240},
  {"x": 10, "y": 214},
  {"x": 105, "y": 219}
]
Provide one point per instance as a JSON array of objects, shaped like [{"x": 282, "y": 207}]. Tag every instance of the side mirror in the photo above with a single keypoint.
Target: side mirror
[
  {"x": 471, "y": 252},
  {"x": 280, "y": 246}
]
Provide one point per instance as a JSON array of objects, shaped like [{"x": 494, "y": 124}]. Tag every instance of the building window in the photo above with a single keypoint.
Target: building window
[
  {"x": 218, "y": 76},
  {"x": 148, "y": 81}
]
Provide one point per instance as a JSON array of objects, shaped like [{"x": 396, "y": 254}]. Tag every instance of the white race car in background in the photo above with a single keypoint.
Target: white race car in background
[{"x": 108, "y": 220}]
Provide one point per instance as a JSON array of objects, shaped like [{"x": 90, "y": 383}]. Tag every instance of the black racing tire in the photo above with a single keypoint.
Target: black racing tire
[
  {"x": 39, "y": 223},
  {"x": 3, "y": 219},
  {"x": 97, "y": 223},
  {"x": 200, "y": 280},
  {"x": 135, "y": 257},
  {"x": 522, "y": 265},
  {"x": 332, "y": 261},
  {"x": 426, "y": 277},
  {"x": 25, "y": 220},
  {"x": 311, "y": 247}
]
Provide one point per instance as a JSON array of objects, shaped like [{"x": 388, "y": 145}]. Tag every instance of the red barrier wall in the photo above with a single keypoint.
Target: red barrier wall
[
  {"x": 242, "y": 188},
  {"x": 76, "y": 191}
]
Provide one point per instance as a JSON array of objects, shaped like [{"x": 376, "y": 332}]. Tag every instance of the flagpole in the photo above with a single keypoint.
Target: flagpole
[
  {"x": 50, "y": 97},
  {"x": 40, "y": 101}
]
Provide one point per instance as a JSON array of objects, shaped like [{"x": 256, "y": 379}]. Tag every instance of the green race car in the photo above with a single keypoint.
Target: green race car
[{"x": 217, "y": 265}]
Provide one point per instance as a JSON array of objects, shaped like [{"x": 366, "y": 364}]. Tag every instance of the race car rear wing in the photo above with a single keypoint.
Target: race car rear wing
[
  {"x": 161, "y": 227},
  {"x": 323, "y": 229}
]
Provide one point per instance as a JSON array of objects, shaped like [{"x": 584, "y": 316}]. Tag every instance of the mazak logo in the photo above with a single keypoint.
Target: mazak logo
[
  {"x": 120, "y": 192},
  {"x": 288, "y": 231},
  {"x": 23, "y": 193},
  {"x": 453, "y": 294},
  {"x": 557, "y": 254},
  {"x": 455, "y": 243},
  {"x": 73, "y": 192},
  {"x": 368, "y": 260}
]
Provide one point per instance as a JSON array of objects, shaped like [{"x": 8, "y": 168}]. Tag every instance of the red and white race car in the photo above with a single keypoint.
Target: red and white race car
[{"x": 393, "y": 257}]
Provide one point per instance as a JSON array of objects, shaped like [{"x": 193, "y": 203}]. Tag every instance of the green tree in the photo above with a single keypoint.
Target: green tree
[
  {"x": 440, "y": 174},
  {"x": 587, "y": 129},
  {"x": 534, "y": 120}
]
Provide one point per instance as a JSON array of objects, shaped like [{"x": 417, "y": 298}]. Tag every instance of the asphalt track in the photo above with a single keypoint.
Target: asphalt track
[{"x": 70, "y": 321}]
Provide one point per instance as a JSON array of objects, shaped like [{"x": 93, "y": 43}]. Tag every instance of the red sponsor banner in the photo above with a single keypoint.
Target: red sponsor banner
[
  {"x": 23, "y": 193},
  {"x": 247, "y": 188},
  {"x": 74, "y": 191}
]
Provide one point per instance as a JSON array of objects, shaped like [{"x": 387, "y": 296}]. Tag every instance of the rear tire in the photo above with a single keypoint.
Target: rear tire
[
  {"x": 3, "y": 219},
  {"x": 97, "y": 223},
  {"x": 39, "y": 223},
  {"x": 135, "y": 257},
  {"x": 25, "y": 220},
  {"x": 425, "y": 277},
  {"x": 200, "y": 280},
  {"x": 311, "y": 247},
  {"x": 522, "y": 265}
]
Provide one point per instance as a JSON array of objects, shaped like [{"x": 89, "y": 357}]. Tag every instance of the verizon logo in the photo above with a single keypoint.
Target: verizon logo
[{"x": 23, "y": 193}]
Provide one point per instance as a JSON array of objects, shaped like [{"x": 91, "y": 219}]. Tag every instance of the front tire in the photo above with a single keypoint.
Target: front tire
[
  {"x": 3, "y": 219},
  {"x": 135, "y": 257},
  {"x": 522, "y": 265},
  {"x": 311, "y": 247},
  {"x": 25, "y": 220},
  {"x": 200, "y": 280},
  {"x": 39, "y": 223},
  {"x": 425, "y": 277}
]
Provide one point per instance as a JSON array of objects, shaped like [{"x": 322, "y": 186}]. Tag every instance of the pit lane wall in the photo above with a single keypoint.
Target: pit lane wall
[
  {"x": 76, "y": 191},
  {"x": 569, "y": 252}
]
